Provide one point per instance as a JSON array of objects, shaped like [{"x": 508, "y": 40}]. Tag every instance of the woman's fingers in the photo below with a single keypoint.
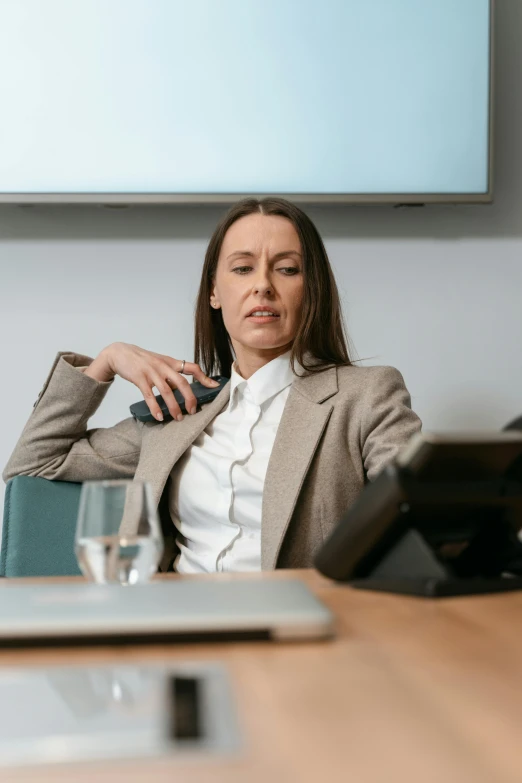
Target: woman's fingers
[
  {"x": 150, "y": 399},
  {"x": 166, "y": 383},
  {"x": 147, "y": 370},
  {"x": 165, "y": 376},
  {"x": 170, "y": 401},
  {"x": 191, "y": 368}
]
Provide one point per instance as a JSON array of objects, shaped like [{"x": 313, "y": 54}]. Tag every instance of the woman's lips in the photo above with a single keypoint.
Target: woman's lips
[{"x": 262, "y": 319}]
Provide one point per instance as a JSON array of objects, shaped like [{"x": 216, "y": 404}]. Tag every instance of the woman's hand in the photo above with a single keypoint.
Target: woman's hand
[{"x": 145, "y": 370}]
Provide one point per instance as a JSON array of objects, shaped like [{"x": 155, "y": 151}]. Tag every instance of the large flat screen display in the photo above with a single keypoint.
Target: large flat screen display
[{"x": 210, "y": 100}]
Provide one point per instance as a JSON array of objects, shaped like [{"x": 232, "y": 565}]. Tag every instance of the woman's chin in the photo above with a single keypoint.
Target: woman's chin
[{"x": 267, "y": 345}]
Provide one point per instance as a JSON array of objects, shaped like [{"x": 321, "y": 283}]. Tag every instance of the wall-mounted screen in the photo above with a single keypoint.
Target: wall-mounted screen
[{"x": 211, "y": 100}]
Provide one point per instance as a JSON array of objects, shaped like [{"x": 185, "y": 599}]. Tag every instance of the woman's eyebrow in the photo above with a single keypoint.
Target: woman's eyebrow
[{"x": 248, "y": 253}]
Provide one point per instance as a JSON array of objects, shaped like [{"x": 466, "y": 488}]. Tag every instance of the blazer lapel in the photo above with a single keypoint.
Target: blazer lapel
[
  {"x": 302, "y": 424},
  {"x": 166, "y": 443}
]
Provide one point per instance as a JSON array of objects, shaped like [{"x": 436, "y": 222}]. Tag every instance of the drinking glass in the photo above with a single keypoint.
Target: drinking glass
[{"x": 118, "y": 533}]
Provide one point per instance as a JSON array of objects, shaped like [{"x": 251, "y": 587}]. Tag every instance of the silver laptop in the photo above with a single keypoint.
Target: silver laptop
[{"x": 181, "y": 610}]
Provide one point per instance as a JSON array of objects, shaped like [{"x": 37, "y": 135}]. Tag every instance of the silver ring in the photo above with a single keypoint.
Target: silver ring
[{"x": 182, "y": 365}]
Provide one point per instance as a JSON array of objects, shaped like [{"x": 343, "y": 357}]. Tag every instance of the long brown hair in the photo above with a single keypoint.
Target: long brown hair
[{"x": 321, "y": 335}]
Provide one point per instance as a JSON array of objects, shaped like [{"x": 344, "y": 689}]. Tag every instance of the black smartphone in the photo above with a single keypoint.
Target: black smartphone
[{"x": 203, "y": 394}]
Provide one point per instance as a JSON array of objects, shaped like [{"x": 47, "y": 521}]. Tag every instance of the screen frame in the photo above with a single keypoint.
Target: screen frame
[{"x": 355, "y": 199}]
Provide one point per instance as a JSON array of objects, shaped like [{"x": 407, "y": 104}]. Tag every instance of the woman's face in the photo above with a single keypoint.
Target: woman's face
[{"x": 260, "y": 266}]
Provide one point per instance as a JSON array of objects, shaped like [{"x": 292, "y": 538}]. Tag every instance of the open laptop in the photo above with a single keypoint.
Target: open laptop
[{"x": 182, "y": 610}]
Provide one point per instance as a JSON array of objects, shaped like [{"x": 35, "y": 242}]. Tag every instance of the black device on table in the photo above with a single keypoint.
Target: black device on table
[
  {"x": 442, "y": 519},
  {"x": 203, "y": 394}
]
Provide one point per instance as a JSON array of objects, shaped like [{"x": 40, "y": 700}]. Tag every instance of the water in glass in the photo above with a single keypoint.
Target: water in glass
[
  {"x": 118, "y": 534},
  {"x": 128, "y": 561}
]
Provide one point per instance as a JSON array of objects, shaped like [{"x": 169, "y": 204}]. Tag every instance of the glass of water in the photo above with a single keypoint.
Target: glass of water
[{"x": 118, "y": 533}]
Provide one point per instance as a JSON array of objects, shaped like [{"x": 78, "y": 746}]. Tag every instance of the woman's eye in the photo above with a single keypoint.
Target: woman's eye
[{"x": 288, "y": 270}]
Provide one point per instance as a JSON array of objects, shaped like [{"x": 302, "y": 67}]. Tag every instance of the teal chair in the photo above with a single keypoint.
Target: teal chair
[
  {"x": 39, "y": 527},
  {"x": 40, "y": 524}
]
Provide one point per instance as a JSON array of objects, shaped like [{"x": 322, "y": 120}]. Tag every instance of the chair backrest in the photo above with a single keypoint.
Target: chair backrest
[
  {"x": 39, "y": 527},
  {"x": 40, "y": 524}
]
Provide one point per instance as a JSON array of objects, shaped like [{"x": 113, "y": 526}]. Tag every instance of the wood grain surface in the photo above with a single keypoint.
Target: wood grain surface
[{"x": 411, "y": 689}]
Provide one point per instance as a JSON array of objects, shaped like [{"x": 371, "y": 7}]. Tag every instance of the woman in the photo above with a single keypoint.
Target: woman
[{"x": 258, "y": 478}]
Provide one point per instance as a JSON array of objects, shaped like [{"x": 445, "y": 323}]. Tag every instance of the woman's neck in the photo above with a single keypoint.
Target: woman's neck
[{"x": 249, "y": 361}]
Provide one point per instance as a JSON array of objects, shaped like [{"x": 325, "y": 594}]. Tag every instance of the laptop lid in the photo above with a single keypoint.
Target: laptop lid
[{"x": 184, "y": 610}]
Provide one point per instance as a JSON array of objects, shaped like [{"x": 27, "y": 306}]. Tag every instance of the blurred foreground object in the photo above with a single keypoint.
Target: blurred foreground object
[{"x": 442, "y": 519}]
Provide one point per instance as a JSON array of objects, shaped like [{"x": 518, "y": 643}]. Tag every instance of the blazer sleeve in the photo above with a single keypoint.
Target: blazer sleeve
[
  {"x": 388, "y": 421},
  {"x": 55, "y": 442}
]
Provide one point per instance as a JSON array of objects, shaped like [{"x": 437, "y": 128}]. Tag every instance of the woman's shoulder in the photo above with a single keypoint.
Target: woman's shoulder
[
  {"x": 367, "y": 378},
  {"x": 355, "y": 384},
  {"x": 367, "y": 373}
]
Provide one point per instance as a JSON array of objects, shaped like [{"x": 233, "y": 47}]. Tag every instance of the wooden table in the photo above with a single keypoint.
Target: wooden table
[{"x": 410, "y": 690}]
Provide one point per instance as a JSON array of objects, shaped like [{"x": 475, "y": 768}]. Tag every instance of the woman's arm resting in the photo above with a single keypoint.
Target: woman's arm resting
[
  {"x": 55, "y": 442},
  {"x": 388, "y": 422}
]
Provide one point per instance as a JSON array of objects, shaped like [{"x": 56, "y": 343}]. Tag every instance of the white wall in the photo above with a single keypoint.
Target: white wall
[{"x": 436, "y": 292}]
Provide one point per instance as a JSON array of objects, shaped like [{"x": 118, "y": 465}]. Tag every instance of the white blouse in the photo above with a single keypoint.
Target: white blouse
[{"x": 217, "y": 485}]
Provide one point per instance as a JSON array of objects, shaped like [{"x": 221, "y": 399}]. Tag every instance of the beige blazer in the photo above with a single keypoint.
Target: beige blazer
[{"x": 339, "y": 428}]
